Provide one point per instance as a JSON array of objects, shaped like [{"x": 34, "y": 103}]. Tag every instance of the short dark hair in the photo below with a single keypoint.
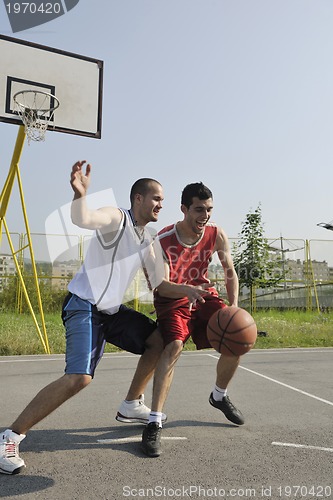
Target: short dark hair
[
  {"x": 141, "y": 186},
  {"x": 195, "y": 190}
]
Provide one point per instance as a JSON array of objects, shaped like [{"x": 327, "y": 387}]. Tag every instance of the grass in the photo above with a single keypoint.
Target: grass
[
  {"x": 18, "y": 334},
  {"x": 294, "y": 329}
]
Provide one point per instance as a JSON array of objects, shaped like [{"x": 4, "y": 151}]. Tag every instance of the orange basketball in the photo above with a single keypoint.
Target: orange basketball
[{"x": 232, "y": 331}]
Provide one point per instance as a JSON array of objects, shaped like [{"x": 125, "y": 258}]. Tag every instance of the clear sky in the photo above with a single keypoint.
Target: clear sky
[{"x": 234, "y": 93}]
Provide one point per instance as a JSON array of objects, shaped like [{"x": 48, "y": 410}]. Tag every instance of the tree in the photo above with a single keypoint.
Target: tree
[{"x": 254, "y": 266}]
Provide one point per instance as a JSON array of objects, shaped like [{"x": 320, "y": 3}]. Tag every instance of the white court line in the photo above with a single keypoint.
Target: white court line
[
  {"x": 283, "y": 350},
  {"x": 294, "y": 445},
  {"x": 292, "y": 350},
  {"x": 283, "y": 385},
  {"x": 136, "y": 439},
  {"x": 61, "y": 357},
  {"x": 28, "y": 358},
  {"x": 289, "y": 387}
]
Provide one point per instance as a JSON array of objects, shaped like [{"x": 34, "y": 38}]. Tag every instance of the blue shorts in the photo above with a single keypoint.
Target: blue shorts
[{"x": 87, "y": 330}]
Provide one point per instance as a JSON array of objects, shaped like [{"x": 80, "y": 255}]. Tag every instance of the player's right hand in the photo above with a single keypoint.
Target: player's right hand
[
  {"x": 79, "y": 180},
  {"x": 195, "y": 293}
]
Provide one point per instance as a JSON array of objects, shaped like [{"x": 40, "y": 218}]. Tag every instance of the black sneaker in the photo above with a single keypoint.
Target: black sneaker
[
  {"x": 228, "y": 409},
  {"x": 151, "y": 439}
]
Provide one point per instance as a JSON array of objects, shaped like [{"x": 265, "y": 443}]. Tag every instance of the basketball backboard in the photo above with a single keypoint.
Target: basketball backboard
[{"x": 75, "y": 80}]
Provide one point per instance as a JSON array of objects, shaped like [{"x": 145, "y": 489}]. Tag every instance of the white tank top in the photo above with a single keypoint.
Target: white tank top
[{"x": 110, "y": 267}]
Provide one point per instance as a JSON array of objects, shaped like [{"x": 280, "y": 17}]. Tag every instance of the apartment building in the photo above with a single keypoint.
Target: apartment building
[
  {"x": 7, "y": 269},
  {"x": 63, "y": 272}
]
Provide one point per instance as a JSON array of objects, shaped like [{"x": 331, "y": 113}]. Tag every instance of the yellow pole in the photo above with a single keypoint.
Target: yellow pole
[
  {"x": 21, "y": 264},
  {"x": 4, "y": 200},
  {"x": 136, "y": 293},
  {"x": 307, "y": 278},
  {"x": 310, "y": 270},
  {"x": 7, "y": 189},
  {"x": 24, "y": 287},
  {"x": 33, "y": 263}
]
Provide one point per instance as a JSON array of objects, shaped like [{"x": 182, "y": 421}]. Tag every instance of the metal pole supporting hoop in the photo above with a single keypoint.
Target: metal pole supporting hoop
[{"x": 35, "y": 109}]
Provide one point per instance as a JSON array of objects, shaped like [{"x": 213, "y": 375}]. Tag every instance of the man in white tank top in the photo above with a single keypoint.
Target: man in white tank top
[{"x": 93, "y": 312}]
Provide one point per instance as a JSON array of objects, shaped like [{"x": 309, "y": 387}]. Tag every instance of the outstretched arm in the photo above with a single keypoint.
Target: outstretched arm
[
  {"x": 230, "y": 276},
  {"x": 81, "y": 215}
]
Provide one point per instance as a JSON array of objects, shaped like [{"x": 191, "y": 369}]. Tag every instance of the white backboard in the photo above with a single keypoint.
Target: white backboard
[{"x": 76, "y": 80}]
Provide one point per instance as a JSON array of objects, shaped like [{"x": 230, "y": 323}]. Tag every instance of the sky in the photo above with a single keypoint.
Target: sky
[{"x": 234, "y": 93}]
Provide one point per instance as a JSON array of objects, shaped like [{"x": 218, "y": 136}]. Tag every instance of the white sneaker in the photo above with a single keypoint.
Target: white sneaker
[
  {"x": 10, "y": 461},
  {"x": 135, "y": 412}
]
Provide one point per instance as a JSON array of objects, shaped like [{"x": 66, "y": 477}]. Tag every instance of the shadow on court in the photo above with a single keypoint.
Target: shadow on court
[{"x": 82, "y": 452}]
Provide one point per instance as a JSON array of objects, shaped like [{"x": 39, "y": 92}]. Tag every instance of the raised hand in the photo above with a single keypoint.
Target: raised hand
[{"x": 79, "y": 180}]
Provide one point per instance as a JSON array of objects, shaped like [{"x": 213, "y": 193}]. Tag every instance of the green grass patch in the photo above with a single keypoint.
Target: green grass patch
[
  {"x": 18, "y": 334},
  {"x": 294, "y": 329}
]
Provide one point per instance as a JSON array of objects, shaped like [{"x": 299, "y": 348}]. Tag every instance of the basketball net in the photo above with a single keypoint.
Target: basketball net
[{"x": 36, "y": 109}]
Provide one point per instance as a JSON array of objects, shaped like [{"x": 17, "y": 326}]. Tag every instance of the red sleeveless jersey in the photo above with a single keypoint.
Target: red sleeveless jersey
[{"x": 188, "y": 263}]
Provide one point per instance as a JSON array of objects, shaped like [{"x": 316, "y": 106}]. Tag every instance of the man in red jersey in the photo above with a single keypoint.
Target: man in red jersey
[{"x": 185, "y": 302}]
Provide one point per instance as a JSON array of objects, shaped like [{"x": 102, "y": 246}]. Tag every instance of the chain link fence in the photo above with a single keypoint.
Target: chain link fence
[{"x": 306, "y": 268}]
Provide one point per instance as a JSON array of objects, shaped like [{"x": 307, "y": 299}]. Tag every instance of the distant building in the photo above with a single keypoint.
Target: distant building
[
  {"x": 302, "y": 271},
  {"x": 63, "y": 272},
  {"x": 294, "y": 270},
  {"x": 330, "y": 270},
  {"x": 7, "y": 269},
  {"x": 297, "y": 273}
]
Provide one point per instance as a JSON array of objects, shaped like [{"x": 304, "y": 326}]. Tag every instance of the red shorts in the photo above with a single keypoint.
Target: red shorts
[{"x": 177, "y": 322}]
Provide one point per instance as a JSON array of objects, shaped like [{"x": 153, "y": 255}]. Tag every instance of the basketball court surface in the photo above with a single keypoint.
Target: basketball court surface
[{"x": 284, "y": 450}]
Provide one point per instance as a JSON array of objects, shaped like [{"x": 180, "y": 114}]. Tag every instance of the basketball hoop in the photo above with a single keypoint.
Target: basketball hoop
[{"x": 35, "y": 109}]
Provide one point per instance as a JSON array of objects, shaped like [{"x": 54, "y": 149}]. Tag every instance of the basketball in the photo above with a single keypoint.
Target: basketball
[{"x": 232, "y": 331}]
